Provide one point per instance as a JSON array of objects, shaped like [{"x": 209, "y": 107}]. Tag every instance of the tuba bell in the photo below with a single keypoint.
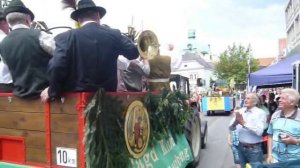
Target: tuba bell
[{"x": 147, "y": 44}]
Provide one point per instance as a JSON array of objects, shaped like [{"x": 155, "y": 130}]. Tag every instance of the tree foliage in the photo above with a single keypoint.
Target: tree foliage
[{"x": 234, "y": 64}]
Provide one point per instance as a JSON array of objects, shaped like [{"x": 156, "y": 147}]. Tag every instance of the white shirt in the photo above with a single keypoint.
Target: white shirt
[
  {"x": 5, "y": 76},
  {"x": 255, "y": 120},
  {"x": 123, "y": 64},
  {"x": 86, "y": 22},
  {"x": 46, "y": 40}
]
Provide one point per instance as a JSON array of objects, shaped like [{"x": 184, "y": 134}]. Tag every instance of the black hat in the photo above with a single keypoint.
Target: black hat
[
  {"x": 85, "y": 5},
  {"x": 2, "y": 17},
  {"x": 18, "y": 6}
]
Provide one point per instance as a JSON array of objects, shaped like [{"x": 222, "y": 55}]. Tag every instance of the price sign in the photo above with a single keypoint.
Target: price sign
[{"x": 66, "y": 157}]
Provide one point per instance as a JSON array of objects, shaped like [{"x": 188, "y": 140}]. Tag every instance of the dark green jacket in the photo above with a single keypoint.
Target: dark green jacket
[{"x": 26, "y": 60}]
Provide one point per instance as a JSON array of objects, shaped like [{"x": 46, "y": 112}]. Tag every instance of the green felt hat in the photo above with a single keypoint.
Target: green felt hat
[{"x": 18, "y": 6}]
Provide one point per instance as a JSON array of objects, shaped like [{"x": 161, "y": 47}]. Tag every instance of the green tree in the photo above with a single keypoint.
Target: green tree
[{"x": 234, "y": 64}]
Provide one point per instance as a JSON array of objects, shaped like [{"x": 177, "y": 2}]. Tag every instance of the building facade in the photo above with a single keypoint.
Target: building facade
[
  {"x": 282, "y": 48},
  {"x": 292, "y": 12},
  {"x": 194, "y": 67}
]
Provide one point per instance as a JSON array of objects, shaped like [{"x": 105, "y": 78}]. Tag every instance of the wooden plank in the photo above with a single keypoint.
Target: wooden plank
[
  {"x": 21, "y": 120},
  {"x": 33, "y": 139},
  {"x": 15, "y": 104},
  {"x": 63, "y": 140},
  {"x": 64, "y": 123},
  {"x": 36, "y": 155},
  {"x": 128, "y": 99},
  {"x": 68, "y": 106},
  {"x": 124, "y": 97}
]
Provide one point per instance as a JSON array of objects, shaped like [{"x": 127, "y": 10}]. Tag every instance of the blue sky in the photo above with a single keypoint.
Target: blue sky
[{"x": 259, "y": 23}]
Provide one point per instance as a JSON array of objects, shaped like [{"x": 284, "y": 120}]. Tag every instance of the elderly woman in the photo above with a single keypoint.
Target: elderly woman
[
  {"x": 249, "y": 123},
  {"x": 284, "y": 129}
]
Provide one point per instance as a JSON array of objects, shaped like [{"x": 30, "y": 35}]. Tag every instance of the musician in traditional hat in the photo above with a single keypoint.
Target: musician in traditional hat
[
  {"x": 6, "y": 84},
  {"x": 85, "y": 59},
  {"x": 26, "y": 51}
]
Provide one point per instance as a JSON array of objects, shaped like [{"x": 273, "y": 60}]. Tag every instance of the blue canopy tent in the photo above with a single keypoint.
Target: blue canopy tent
[{"x": 275, "y": 75}]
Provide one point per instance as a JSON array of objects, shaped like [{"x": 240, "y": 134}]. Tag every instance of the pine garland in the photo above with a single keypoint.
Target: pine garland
[
  {"x": 167, "y": 111},
  {"x": 104, "y": 138}
]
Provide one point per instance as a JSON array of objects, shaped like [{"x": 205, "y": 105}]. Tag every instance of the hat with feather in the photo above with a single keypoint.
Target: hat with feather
[
  {"x": 83, "y": 5},
  {"x": 18, "y": 6}
]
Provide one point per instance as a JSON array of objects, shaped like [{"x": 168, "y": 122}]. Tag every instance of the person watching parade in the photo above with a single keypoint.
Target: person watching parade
[
  {"x": 6, "y": 83},
  {"x": 85, "y": 59},
  {"x": 26, "y": 51},
  {"x": 249, "y": 122},
  {"x": 284, "y": 132},
  {"x": 272, "y": 105}
]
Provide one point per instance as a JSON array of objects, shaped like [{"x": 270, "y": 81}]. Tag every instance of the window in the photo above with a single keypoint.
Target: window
[
  {"x": 204, "y": 82},
  {"x": 193, "y": 76}
]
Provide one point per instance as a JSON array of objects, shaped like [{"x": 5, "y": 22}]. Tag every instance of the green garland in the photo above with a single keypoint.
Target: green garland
[
  {"x": 104, "y": 138},
  {"x": 104, "y": 135},
  {"x": 167, "y": 111}
]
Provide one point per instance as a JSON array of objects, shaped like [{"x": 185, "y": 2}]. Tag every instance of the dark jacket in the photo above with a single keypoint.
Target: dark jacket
[
  {"x": 85, "y": 59},
  {"x": 26, "y": 60}
]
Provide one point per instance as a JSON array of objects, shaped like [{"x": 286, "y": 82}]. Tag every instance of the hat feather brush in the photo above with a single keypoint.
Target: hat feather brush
[{"x": 69, "y": 4}]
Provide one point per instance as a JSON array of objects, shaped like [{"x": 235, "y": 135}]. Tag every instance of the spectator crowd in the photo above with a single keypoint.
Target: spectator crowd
[{"x": 266, "y": 127}]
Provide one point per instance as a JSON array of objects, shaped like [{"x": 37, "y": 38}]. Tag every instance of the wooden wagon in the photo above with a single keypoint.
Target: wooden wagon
[{"x": 36, "y": 134}]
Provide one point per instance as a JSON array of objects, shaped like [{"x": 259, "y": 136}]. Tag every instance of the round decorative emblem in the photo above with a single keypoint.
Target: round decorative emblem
[{"x": 137, "y": 129}]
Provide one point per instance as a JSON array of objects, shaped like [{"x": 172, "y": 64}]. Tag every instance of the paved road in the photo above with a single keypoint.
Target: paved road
[{"x": 217, "y": 153}]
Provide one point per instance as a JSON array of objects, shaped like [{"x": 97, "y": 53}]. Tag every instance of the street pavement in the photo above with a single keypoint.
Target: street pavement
[{"x": 217, "y": 153}]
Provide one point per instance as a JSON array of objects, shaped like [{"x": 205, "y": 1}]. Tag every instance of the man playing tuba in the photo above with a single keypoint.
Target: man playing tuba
[{"x": 160, "y": 66}]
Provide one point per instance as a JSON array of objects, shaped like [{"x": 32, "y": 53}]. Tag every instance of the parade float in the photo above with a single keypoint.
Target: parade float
[
  {"x": 115, "y": 129},
  {"x": 221, "y": 100},
  {"x": 100, "y": 130}
]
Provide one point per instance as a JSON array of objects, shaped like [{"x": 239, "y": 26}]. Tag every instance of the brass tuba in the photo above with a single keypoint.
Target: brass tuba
[{"x": 147, "y": 44}]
